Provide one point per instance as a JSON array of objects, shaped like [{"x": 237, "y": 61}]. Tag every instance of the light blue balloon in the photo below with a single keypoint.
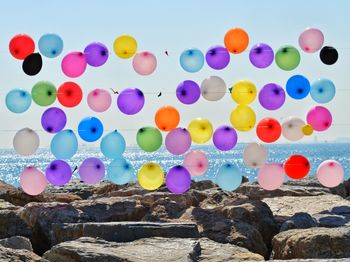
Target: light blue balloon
[
  {"x": 18, "y": 100},
  {"x": 192, "y": 60},
  {"x": 322, "y": 91},
  {"x": 50, "y": 45},
  {"x": 64, "y": 144},
  {"x": 113, "y": 145},
  {"x": 298, "y": 87},
  {"x": 90, "y": 129},
  {"x": 120, "y": 171},
  {"x": 229, "y": 177}
]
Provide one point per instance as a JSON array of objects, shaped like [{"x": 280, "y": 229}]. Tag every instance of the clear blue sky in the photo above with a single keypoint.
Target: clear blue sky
[{"x": 160, "y": 25}]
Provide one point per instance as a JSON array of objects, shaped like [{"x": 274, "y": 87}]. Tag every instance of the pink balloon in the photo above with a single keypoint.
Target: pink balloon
[
  {"x": 74, "y": 64},
  {"x": 33, "y": 181},
  {"x": 330, "y": 173},
  {"x": 178, "y": 141},
  {"x": 99, "y": 100},
  {"x": 196, "y": 162},
  {"x": 311, "y": 40},
  {"x": 144, "y": 63},
  {"x": 319, "y": 118},
  {"x": 271, "y": 176}
]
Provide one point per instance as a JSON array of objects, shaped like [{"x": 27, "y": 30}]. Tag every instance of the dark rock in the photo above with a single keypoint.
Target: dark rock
[
  {"x": 11, "y": 224},
  {"x": 335, "y": 217},
  {"x": 299, "y": 220},
  {"x": 17, "y": 242}
]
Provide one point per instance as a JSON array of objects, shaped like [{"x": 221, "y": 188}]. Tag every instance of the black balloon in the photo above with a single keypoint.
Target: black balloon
[
  {"x": 329, "y": 55},
  {"x": 32, "y": 64}
]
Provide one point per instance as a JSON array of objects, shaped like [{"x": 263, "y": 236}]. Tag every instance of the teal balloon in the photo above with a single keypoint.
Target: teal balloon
[
  {"x": 18, "y": 100},
  {"x": 192, "y": 60},
  {"x": 229, "y": 177},
  {"x": 322, "y": 91},
  {"x": 64, "y": 144},
  {"x": 50, "y": 45},
  {"x": 113, "y": 145},
  {"x": 120, "y": 171}
]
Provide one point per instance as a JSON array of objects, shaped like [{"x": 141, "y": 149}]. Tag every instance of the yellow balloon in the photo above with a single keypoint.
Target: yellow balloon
[
  {"x": 200, "y": 130},
  {"x": 125, "y": 46},
  {"x": 243, "y": 92},
  {"x": 307, "y": 130},
  {"x": 150, "y": 176},
  {"x": 243, "y": 118}
]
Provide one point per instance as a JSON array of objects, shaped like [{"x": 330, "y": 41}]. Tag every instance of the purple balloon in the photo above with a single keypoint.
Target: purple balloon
[
  {"x": 217, "y": 57},
  {"x": 178, "y": 180},
  {"x": 92, "y": 170},
  {"x": 188, "y": 92},
  {"x": 96, "y": 54},
  {"x": 58, "y": 173},
  {"x": 225, "y": 138},
  {"x": 261, "y": 55},
  {"x": 53, "y": 120},
  {"x": 130, "y": 101},
  {"x": 178, "y": 141},
  {"x": 272, "y": 96}
]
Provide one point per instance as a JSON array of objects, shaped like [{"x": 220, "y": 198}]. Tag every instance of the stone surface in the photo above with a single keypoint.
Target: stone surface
[
  {"x": 335, "y": 217},
  {"x": 11, "y": 224},
  {"x": 299, "y": 220},
  {"x": 16, "y": 255},
  {"x": 17, "y": 242}
]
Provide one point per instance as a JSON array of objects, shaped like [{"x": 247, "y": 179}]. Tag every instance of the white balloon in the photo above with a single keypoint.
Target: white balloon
[
  {"x": 213, "y": 88},
  {"x": 292, "y": 128},
  {"x": 255, "y": 155},
  {"x": 26, "y": 142}
]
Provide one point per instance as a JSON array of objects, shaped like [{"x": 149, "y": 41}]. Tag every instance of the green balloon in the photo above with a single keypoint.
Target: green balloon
[
  {"x": 287, "y": 57},
  {"x": 149, "y": 139},
  {"x": 44, "y": 93}
]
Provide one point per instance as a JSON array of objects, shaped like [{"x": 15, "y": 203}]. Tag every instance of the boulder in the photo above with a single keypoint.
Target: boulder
[
  {"x": 14, "y": 255},
  {"x": 335, "y": 217},
  {"x": 11, "y": 224},
  {"x": 299, "y": 220},
  {"x": 17, "y": 242}
]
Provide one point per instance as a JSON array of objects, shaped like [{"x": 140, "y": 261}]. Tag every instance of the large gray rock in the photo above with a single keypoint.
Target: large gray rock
[
  {"x": 11, "y": 224},
  {"x": 299, "y": 220},
  {"x": 335, "y": 217},
  {"x": 16, "y": 255},
  {"x": 17, "y": 242}
]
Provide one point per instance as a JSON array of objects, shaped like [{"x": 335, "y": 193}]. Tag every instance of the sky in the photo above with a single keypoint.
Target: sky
[{"x": 173, "y": 26}]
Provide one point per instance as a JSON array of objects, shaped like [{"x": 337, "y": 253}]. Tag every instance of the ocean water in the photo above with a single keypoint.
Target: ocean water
[{"x": 12, "y": 164}]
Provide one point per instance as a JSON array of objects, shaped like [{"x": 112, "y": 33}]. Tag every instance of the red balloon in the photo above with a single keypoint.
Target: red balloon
[
  {"x": 297, "y": 166},
  {"x": 69, "y": 94},
  {"x": 21, "y": 46},
  {"x": 269, "y": 130}
]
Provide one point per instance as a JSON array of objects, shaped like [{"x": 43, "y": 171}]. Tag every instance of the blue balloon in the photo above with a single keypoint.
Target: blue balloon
[
  {"x": 229, "y": 177},
  {"x": 90, "y": 129},
  {"x": 64, "y": 144},
  {"x": 50, "y": 45},
  {"x": 298, "y": 87},
  {"x": 18, "y": 100},
  {"x": 113, "y": 145},
  {"x": 192, "y": 60},
  {"x": 120, "y": 171},
  {"x": 322, "y": 91}
]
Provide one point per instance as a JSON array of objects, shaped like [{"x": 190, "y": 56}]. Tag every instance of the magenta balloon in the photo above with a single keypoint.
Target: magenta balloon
[
  {"x": 178, "y": 180},
  {"x": 271, "y": 176},
  {"x": 96, "y": 54},
  {"x": 53, "y": 120},
  {"x": 188, "y": 92},
  {"x": 144, "y": 63},
  {"x": 272, "y": 96},
  {"x": 130, "y": 101},
  {"x": 196, "y": 162},
  {"x": 330, "y": 173},
  {"x": 217, "y": 57},
  {"x": 311, "y": 40},
  {"x": 319, "y": 118},
  {"x": 33, "y": 181},
  {"x": 99, "y": 100},
  {"x": 58, "y": 173},
  {"x": 261, "y": 55},
  {"x": 74, "y": 64},
  {"x": 225, "y": 138},
  {"x": 92, "y": 170},
  {"x": 178, "y": 141}
]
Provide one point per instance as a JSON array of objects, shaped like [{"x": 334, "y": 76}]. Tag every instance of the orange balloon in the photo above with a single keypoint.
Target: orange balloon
[
  {"x": 236, "y": 40},
  {"x": 167, "y": 118}
]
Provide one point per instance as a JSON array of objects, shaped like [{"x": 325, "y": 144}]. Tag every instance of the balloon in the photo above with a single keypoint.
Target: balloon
[
  {"x": 192, "y": 60},
  {"x": 243, "y": 118},
  {"x": 213, "y": 88},
  {"x": 217, "y": 57},
  {"x": 125, "y": 46},
  {"x": 178, "y": 180},
  {"x": 69, "y": 94},
  {"x": 311, "y": 40},
  {"x": 330, "y": 173},
  {"x": 74, "y": 64},
  {"x": 44, "y": 93},
  {"x": 130, "y": 101},
  {"x": 322, "y": 91},
  {"x": 287, "y": 57},
  {"x": 255, "y": 155},
  {"x": 150, "y": 176},
  {"x": 271, "y": 176},
  {"x": 53, "y": 120},
  {"x": 33, "y": 181},
  {"x": 188, "y": 92},
  {"x": 292, "y": 129},
  {"x": 21, "y": 46},
  {"x": 298, "y": 87},
  {"x": 178, "y": 141},
  {"x": 120, "y": 171},
  {"x": 99, "y": 100},
  {"x": 144, "y": 63},
  {"x": 329, "y": 55},
  {"x": 261, "y": 55},
  {"x": 149, "y": 139},
  {"x": 272, "y": 96},
  {"x": 90, "y": 129},
  {"x": 200, "y": 130},
  {"x": 228, "y": 177},
  {"x": 96, "y": 54},
  {"x": 26, "y": 142},
  {"x": 32, "y": 64},
  {"x": 196, "y": 162},
  {"x": 92, "y": 170},
  {"x": 319, "y": 118},
  {"x": 307, "y": 130},
  {"x": 50, "y": 45},
  {"x": 268, "y": 130},
  {"x": 167, "y": 118},
  {"x": 297, "y": 166},
  {"x": 225, "y": 138},
  {"x": 64, "y": 144},
  {"x": 113, "y": 145},
  {"x": 243, "y": 92},
  {"x": 58, "y": 173},
  {"x": 18, "y": 100},
  {"x": 236, "y": 40}
]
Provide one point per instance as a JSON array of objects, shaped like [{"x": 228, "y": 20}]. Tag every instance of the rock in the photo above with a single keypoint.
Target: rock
[
  {"x": 335, "y": 217},
  {"x": 11, "y": 224},
  {"x": 313, "y": 260},
  {"x": 203, "y": 185},
  {"x": 299, "y": 220},
  {"x": 17, "y": 242},
  {"x": 15, "y": 255},
  {"x": 7, "y": 206}
]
